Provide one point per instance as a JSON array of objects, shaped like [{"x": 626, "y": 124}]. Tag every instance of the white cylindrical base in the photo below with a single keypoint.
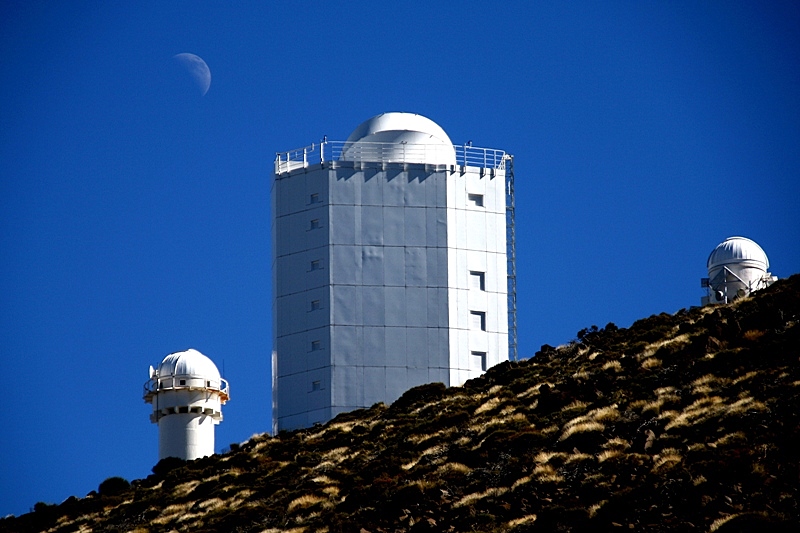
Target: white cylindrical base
[{"x": 187, "y": 436}]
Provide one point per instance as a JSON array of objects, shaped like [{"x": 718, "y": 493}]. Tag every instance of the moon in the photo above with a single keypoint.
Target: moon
[{"x": 197, "y": 69}]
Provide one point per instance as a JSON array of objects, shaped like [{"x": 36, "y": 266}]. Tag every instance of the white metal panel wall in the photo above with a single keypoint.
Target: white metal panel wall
[
  {"x": 301, "y": 310},
  {"x": 395, "y": 246},
  {"x": 476, "y": 236},
  {"x": 381, "y": 288},
  {"x": 389, "y": 293}
]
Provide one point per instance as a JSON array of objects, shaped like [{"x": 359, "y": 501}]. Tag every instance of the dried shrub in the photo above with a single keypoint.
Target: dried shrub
[{"x": 113, "y": 486}]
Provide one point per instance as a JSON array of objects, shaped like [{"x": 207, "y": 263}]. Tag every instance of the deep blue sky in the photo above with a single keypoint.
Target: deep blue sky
[{"x": 134, "y": 213}]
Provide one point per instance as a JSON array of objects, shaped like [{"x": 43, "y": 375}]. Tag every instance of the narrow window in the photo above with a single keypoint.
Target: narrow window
[
  {"x": 316, "y": 346},
  {"x": 314, "y": 224},
  {"x": 208, "y": 383},
  {"x": 315, "y": 305},
  {"x": 475, "y": 200},
  {"x": 480, "y": 359},
  {"x": 314, "y": 198},
  {"x": 477, "y": 280},
  {"x": 316, "y": 264},
  {"x": 315, "y": 386},
  {"x": 478, "y": 320}
]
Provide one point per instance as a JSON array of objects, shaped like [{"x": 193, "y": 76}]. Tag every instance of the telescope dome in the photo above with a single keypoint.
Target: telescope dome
[
  {"x": 738, "y": 250},
  {"x": 400, "y": 138},
  {"x": 188, "y": 363}
]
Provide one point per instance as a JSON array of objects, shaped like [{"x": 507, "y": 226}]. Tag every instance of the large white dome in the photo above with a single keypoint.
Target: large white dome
[
  {"x": 188, "y": 363},
  {"x": 738, "y": 250},
  {"x": 400, "y": 137}
]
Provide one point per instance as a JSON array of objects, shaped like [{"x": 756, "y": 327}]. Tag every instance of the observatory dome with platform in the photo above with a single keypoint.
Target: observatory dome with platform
[
  {"x": 736, "y": 267},
  {"x": 187, "y": 394},
  {"x": 393, "y": 266}
]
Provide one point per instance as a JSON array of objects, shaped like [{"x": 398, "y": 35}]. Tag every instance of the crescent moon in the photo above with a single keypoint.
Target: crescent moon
[{"x": 197, "y": 68}]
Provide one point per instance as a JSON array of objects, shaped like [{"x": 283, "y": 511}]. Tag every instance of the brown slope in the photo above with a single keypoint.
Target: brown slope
[{"x": 685, "y": 422}]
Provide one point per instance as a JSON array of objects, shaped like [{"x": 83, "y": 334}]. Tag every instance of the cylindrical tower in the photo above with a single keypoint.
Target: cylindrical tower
[
  {"x": 187, "y": 394},
  {"x": 736, "y": 267}
]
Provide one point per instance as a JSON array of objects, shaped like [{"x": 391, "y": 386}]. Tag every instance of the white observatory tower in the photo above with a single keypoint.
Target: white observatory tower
[
  {"x": 736, "y": 267},
  {"x": 187, "y": 394},
  {"x": 393, "y": 266}
]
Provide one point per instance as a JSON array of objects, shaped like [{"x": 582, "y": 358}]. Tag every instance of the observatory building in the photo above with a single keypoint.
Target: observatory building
[
  {"x": 187, "y": 394},
  {"x": 736, "y": 267},
  {"x": 393, "y": 266}
]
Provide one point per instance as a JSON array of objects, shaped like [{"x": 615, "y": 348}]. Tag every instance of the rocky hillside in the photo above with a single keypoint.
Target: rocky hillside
[{"x": 684, "y": 422}]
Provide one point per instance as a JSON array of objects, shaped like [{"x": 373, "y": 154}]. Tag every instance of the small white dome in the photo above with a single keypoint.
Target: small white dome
[
  {"x": 738, "y": 250},
  {"x": 188, "y": 363},
  {"x": 424, "y": 141}
]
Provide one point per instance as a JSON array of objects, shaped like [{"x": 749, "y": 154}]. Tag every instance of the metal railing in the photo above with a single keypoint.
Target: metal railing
[
  {"x": 191, "y": 382},
  {"x": 440, "y": 154}
]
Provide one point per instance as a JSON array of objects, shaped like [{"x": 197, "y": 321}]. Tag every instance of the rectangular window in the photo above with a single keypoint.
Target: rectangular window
[
  {"x": 314, "y": 198},
  {"x": 316, "y": 305},
  {"x": 478, "y": 320},
  {"x": 316, "y": 264},
  {"x": 315, "y": 386},
  {"x": 480, "y": 360},
  {"x": 314, "y": 224},
  {"x": 475, "y": 200},
  {"x": 477, "y": 280},
  {"x": 316, "y": 346}
]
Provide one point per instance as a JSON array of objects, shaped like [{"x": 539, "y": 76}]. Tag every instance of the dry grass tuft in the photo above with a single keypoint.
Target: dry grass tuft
[
  {"x": 521, "y": 481},
  {"x": 492, "y": 403},
  {"x": 731, "y": 438},
  {"x": 336, "y": 455},
  {"x": 211, "y": 504},
  {"x": 172, "y": 512},
  {"x": 545, "y": 473},
  {"x": 307, "y": 500},
  {"x": 185, "y": 488},
  {"x": 753, "y": 334},
  {"x": 700, "y": 410},
  {"x": 578, "y": 457},
  {"x": 608, "y": 454},
  {"x": 666, "y": 460},
  {"x": 651, "y": 362},
  {"x": 577, "y": 405},
  {"x": 596, "y": 507},
  {"x": 581, "y": 375},
  {"x": 527, "y": 519},
  {"x": 616, "y": 366},
  {"x": 475, "y": 496},
  {"x": 617, "y": 444},
  {"x": 434, "y": 450},
  {"x": 591, "y": 421},
  {"x": 457, "y": 468},
  {"x": 652, "y": 348},
  {"x": 719, "y": 522},
  {"x": 544, "y": 457},
  {"x": 746, "y": 377}
]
